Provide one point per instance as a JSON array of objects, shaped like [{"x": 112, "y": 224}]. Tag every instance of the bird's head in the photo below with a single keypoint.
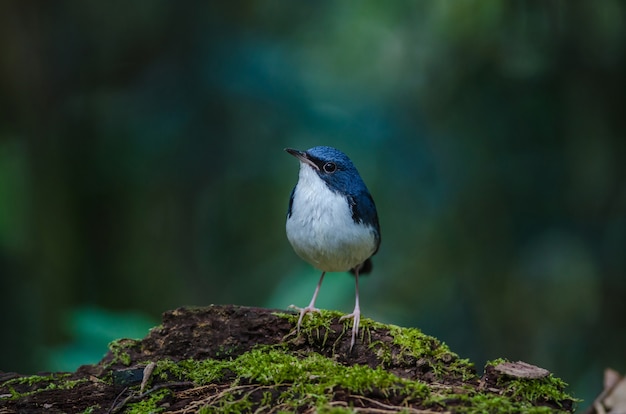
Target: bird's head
[{"x": 332, "y": 166}]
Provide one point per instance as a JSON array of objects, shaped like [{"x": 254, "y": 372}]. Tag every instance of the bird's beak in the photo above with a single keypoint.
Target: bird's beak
[{"x": 302, "y": 157}]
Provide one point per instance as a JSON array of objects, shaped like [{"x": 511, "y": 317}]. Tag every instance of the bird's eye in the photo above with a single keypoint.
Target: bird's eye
[{"x": 330, "y": 167}]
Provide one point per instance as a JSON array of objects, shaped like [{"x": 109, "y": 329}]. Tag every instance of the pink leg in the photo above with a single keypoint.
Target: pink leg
[
  {"x": 356, "y": 314},
  {"x": 311, "y": 307}
]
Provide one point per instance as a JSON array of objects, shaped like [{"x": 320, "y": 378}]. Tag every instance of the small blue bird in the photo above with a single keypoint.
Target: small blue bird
[{"x": 332, "y": 221}]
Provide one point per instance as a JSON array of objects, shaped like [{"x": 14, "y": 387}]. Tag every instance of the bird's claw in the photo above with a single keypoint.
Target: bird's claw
[
  {"x": 356, "y": 317},
  {"x": 303, "y": 311}
]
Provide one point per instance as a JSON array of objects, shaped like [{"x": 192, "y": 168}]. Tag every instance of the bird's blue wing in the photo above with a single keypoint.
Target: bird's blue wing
[{"x": 364, "y": 211}]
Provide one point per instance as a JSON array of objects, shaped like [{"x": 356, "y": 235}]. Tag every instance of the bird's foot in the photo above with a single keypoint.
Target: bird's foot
[
  {"x": 304, "y": 311},
  {"x": 356, "y": 317}
]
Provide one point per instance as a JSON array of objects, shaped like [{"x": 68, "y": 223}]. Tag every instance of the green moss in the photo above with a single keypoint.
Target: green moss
[
  {"x": 413, "y": 345},
  {"x": 548, "y": 389},
  {"x": 308, "y": 381},
  {"x": 315, "y": 373},
  {"x": 274, "y": 377},
  {"x": 335, "y": 410},
  {"x": 312, "y": 381},
  {"x": 283, "y": 380},
  {"x": 41, "y": 383},
  {"x": 35, "y": 379},
  {"x": 92, "y": 409},
  {"x": 540, "y": 390},
  {"x": 316, "y": 325},
  {"x": 496, "y": 361},
  {"x": 119, "y": 350},
  {"x": 200, "y": 372},
  {"x": 149, "y": 404},
  {"x": 229, "y": 404},
  {"x": 410, "y": 345},
  {"x": 485, "y": 402}
]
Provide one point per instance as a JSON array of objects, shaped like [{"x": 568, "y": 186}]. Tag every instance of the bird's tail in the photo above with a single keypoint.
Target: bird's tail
[{"x": 363, "y": 268}]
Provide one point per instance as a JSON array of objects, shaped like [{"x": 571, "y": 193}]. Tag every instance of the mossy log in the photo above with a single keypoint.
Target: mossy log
[{"x": 240, "y": 359}]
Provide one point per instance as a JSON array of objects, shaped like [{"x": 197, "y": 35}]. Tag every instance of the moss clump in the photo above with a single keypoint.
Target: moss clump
[
  {"x": 548, "y": 390},
  {"x": 39, "y": 383},
  {"x": 408, "y": 346},
  {"x": 200, "y": 372},
  {"x": 540, "y": 390},
  {"x": 230, "y": 404},
  {"x": 92, "y": 409},
  {"x": 391, "y": 369},
  {"x": 316, "y": 326},
  {"x": 475, "y": 401},
  {"x": 279, "y": 379},
  {"x": 119, "y": 348},
  {"x": 478, "y": 403},
  {"x": 149, "y": 404},
  {"x": 415, "y": 345},
  {"x": 412, "y": 349},
  {"x": 271, "y": 377},
  {"x": 276, "y": 366}
]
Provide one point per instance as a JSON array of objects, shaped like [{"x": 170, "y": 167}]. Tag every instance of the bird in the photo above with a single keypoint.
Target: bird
[{"x": 332, "y": 222}]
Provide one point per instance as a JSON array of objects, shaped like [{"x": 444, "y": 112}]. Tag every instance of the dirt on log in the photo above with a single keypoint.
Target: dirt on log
[{"x": 242, "y": 359}]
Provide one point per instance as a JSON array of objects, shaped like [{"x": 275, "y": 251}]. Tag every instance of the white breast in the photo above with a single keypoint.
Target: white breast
[{"x": 321, "y": 229}]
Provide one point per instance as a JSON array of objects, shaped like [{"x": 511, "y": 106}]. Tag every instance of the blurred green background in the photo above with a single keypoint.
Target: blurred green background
[{"x": 142, "y": 169}]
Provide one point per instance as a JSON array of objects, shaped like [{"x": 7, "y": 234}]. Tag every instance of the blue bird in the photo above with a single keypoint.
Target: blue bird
[{"x": 332, "y": 221}]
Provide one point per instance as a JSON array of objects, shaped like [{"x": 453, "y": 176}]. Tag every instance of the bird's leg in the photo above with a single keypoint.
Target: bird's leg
[
  {"x": 311, "y": 307},
  {"x": 356, "y": 314}
]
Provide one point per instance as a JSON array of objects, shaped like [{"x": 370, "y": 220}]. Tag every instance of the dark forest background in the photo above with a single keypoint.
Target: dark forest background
[{"x": 142, "y": 169}]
